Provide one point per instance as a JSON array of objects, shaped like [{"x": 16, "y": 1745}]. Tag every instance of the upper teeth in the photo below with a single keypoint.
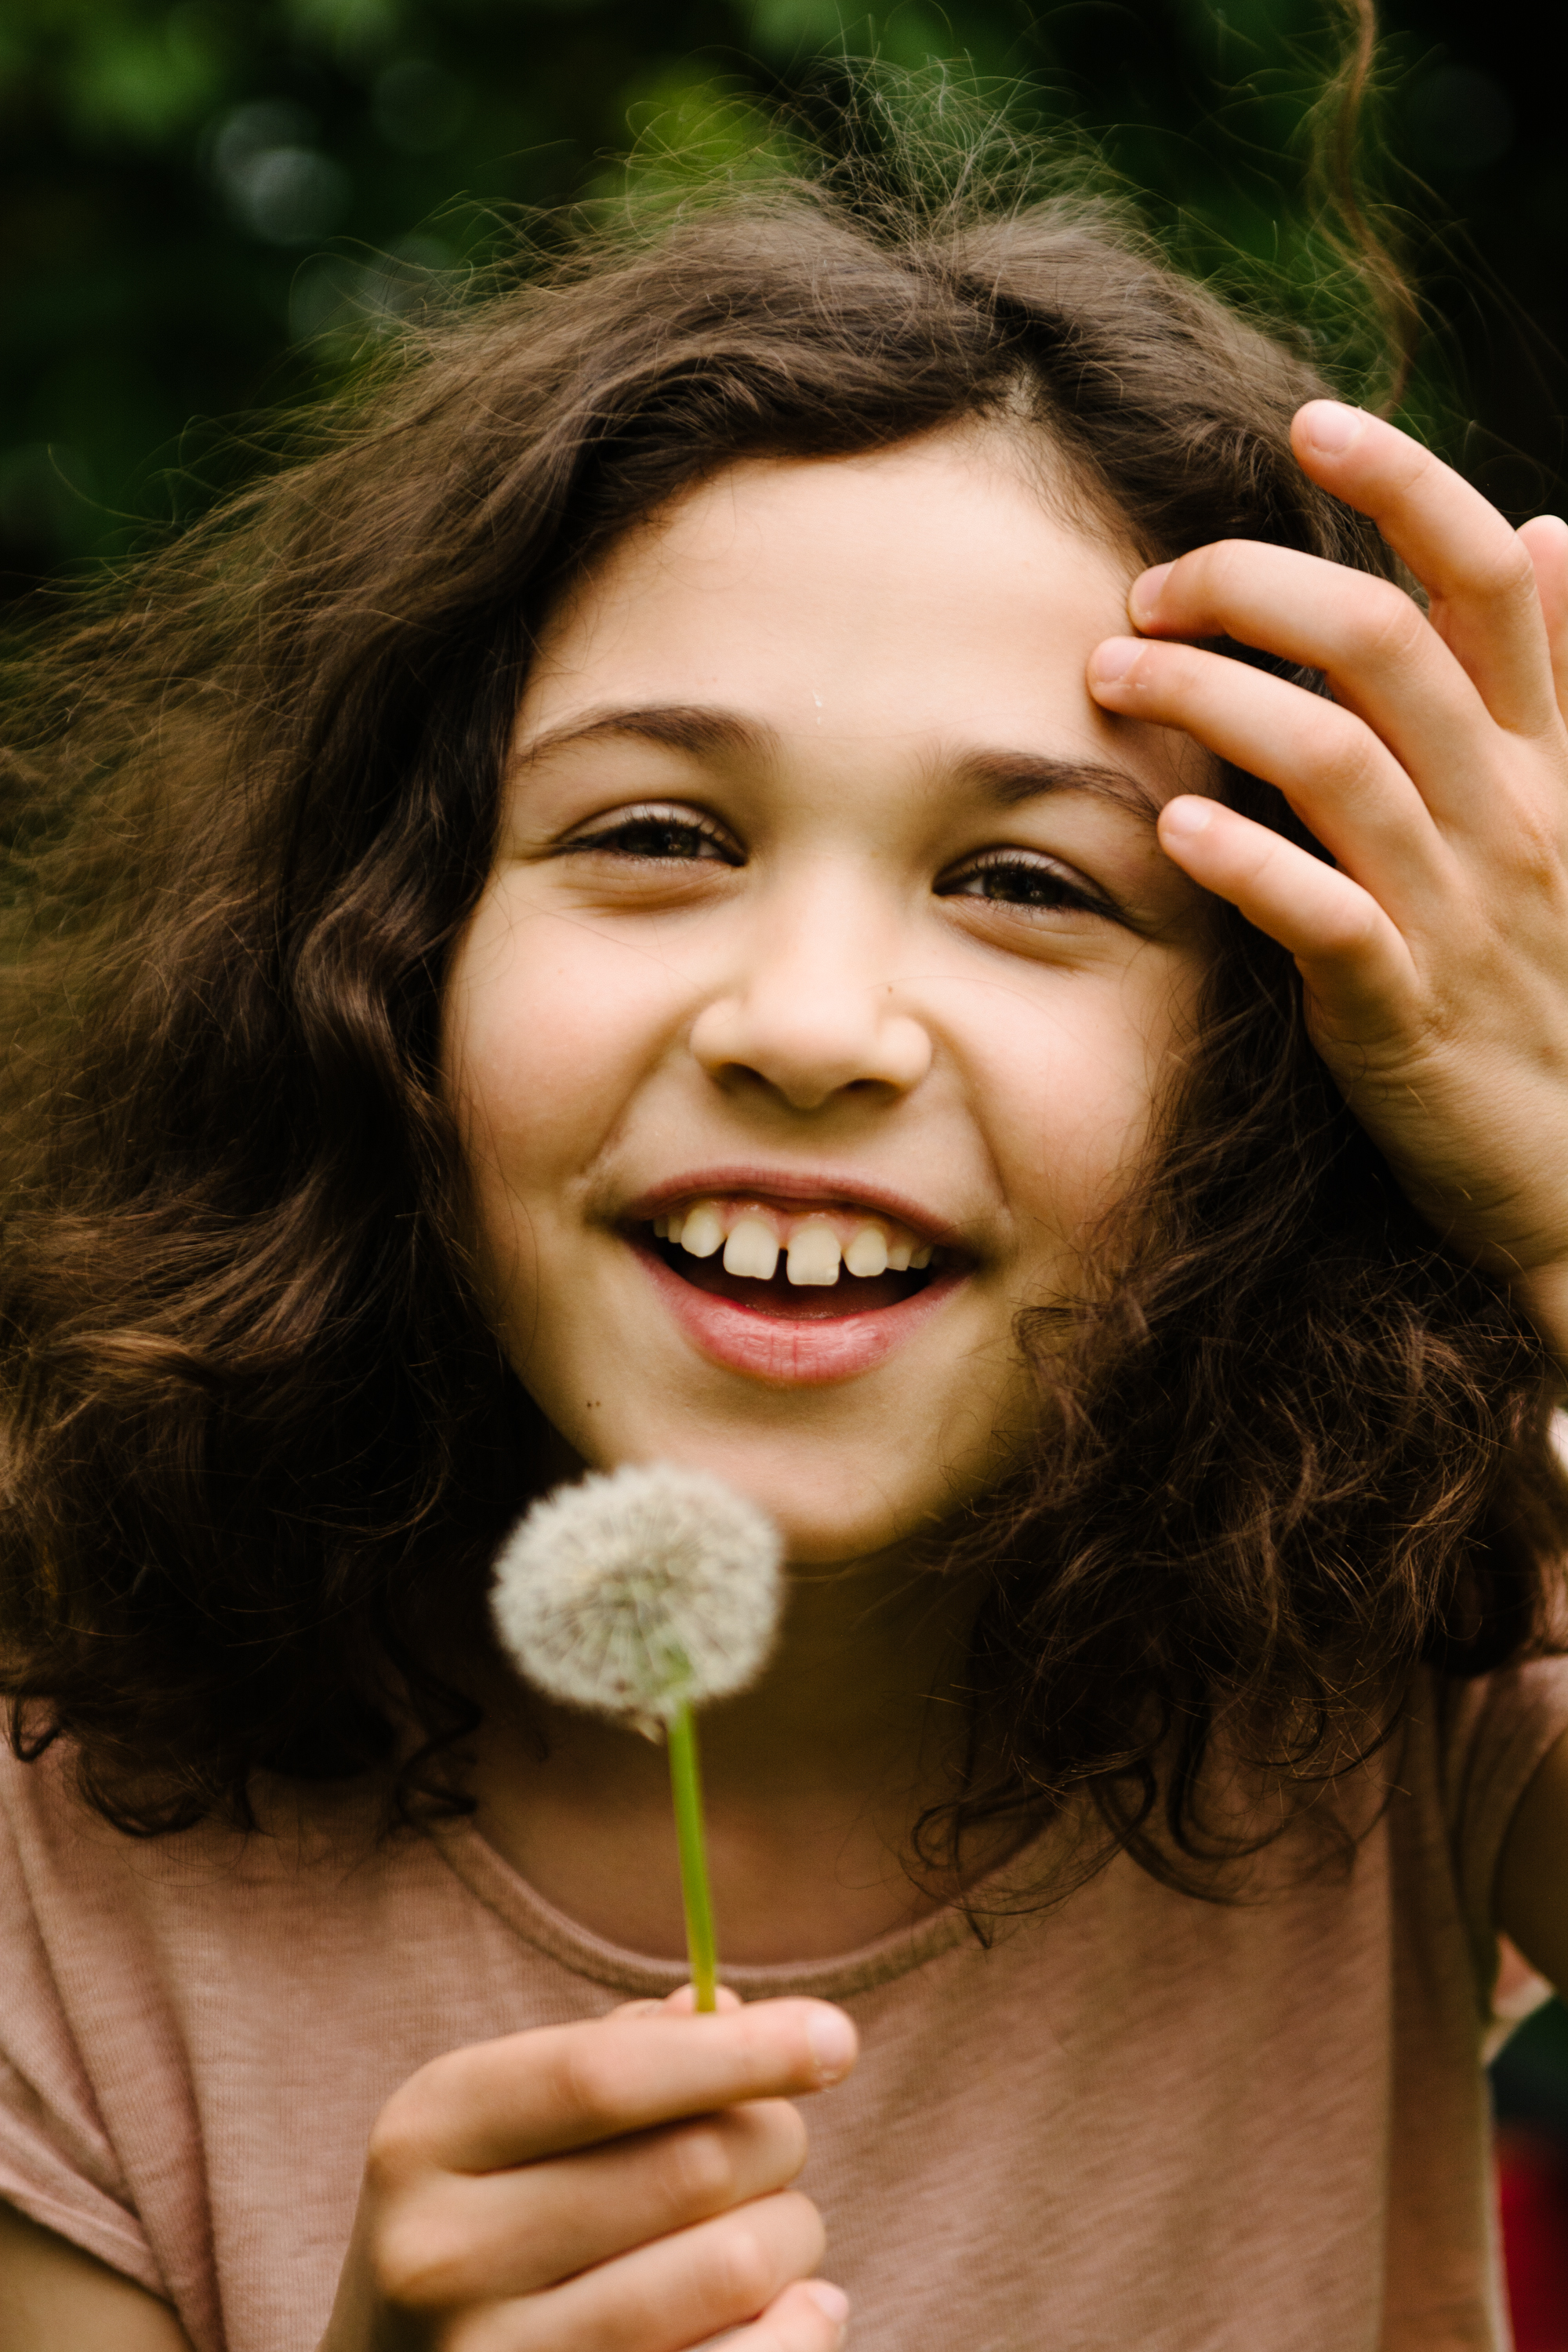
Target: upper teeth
[
  {"x": 753, "y": 1248},
  {"x": 815, "y": 1244},
  {"x": 812, "y": 1253},
  {"x": 700, "y": 1231}
]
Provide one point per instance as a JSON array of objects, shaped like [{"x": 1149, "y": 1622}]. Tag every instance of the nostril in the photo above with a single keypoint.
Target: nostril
[{"x": 810, "y": 1042}]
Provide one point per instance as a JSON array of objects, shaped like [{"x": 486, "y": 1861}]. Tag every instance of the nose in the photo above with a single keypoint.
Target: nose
[{"x": 811, "y": 1012}]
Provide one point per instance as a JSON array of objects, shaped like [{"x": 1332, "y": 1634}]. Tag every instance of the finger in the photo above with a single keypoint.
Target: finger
[
  {"x": 1380, "y": 654},
  {"x": 682, "y": 2002},
  {"x": 1545, "y": 540},
  {"x": 809, "y": 2317},
  {"x": 1329, "y": 765},
  {"x": 461, "y": 2239},
  {"x": 1356, "y": 966},
  {"x": 664, "y": 2297},
  {"x": 1467, "y": 556},
  {"x": 560, "y": 2087}
]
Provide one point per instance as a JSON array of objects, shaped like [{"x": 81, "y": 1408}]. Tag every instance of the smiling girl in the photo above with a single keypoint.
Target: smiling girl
[{"x": 832, "y": 844}]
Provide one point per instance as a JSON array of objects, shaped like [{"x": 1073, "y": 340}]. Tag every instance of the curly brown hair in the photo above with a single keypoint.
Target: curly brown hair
[{"x": 261, "y": 1444}]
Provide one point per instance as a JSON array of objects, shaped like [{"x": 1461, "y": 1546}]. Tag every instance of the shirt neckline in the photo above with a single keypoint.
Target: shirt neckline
[{"x": 638, "y": 1975}]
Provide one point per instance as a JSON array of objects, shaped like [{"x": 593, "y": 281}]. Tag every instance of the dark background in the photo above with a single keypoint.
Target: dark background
[
  {"x": 203, "y": 206},
  {"x": 207, "y": 208}
]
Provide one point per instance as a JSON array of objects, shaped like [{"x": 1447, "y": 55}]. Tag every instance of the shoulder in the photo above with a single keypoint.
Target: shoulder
[
  {"x": 1488, "y": 1734},
  {"x": 1471, "y": 1751},
  {"x": 1533, "y": 1868},
  {"x": 44, "y": 1825},
  {"x": 70, "y": 1876},
  {"x": 59, "y": 2162}
]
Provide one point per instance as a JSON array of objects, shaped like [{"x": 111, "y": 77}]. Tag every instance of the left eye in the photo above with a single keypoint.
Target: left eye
[
  {"x": 1017, "y": 879},
  {"x": 657, "y": 835}
]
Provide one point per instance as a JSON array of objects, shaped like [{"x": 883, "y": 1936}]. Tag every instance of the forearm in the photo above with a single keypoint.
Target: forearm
[{"x": 56, "y": 2298}]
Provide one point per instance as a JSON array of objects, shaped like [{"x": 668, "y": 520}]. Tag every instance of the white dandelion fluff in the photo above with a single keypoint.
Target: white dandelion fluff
[{"x": 640, "y": 1592}]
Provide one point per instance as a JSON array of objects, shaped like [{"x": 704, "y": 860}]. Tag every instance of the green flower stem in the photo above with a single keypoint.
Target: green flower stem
[{"x": 686, "y": 1788}]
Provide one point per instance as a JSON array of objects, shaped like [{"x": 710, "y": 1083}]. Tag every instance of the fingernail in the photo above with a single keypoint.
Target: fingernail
[
  {"x": 833, "y": 2041},
  {"x": 1113, "y": 659},
  {"x": 1185, "y": 819},
  {"x": 1331, "y": 426},
  {"x": 831, "y": 2301},
  {"x": 1144, "y": 593}
]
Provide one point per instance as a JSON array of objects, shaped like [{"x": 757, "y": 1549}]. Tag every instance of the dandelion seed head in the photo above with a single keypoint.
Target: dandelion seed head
[{"x": 639, "y": 1592}]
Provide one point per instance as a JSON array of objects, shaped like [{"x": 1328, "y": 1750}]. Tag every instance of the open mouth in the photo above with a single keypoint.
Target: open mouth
[{"x": 800, "y": 1264}]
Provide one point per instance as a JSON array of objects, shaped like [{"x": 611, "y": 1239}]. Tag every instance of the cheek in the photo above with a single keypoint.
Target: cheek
[
  {"x": 1080, "y": 1099},
  {"x": 549, "y": 1030}
]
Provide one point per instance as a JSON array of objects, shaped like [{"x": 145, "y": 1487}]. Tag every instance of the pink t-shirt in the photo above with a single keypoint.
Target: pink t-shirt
[{"x": 1135, "y": 2120}]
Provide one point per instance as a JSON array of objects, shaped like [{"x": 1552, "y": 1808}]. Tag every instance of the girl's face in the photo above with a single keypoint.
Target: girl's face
[{"x": 828, "y": 922}]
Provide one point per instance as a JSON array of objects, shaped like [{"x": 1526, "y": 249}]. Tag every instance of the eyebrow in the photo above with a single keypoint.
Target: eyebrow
[
  {"x": 692, "y": 727},
  {"x": 1010, "y": 778},
  {"x": 1007, "y": 779}
]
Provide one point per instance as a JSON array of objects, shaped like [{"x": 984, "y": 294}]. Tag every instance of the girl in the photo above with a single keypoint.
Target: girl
[{"x": 837, "y": 844}]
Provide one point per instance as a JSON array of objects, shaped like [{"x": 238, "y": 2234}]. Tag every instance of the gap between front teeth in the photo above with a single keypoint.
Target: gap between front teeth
[{"x": 814, "y": 1256}]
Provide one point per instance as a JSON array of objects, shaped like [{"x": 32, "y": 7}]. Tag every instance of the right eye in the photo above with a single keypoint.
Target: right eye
[{"x": 657, "y": 836}]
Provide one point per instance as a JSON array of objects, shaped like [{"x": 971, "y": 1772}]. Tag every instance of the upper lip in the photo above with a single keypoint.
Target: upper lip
[{"x": 823, "y": 1188}]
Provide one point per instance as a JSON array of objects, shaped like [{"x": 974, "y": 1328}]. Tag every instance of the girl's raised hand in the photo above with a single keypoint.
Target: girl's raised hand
[
  {"x": 617, "y": 2186},
  {"x": 1434, "y": 953}
]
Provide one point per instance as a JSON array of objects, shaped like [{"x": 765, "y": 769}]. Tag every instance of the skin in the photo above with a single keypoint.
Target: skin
[
  {"x": 838, "y": 998},
  {"x": 827, "y": 995},
  {"x": 56, "y": 2298},
  {"x": 814, "y": 984}
]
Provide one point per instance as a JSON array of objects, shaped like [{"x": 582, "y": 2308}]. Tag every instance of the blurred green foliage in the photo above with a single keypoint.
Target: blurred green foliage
[
  {"x": 205, "y": 207},
  {"x": 1529, "y": 2080}
]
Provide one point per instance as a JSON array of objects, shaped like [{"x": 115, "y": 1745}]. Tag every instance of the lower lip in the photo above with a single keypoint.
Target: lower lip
[{"x": 791, "y": 1354}]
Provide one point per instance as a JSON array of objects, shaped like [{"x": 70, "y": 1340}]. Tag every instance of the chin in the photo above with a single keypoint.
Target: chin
[{"x": 825, "y": 1508}]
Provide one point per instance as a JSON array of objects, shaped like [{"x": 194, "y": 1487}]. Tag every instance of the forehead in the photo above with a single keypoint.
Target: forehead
[
  {"x": 934, "y": 572},
  {"x": 866, "y": 631}
]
